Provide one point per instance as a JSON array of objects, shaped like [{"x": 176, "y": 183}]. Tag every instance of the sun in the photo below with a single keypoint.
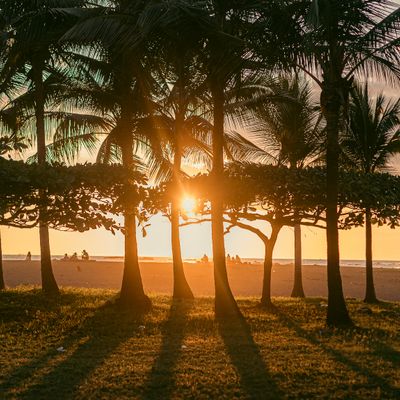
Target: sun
[{"x": 188, "y": 204}]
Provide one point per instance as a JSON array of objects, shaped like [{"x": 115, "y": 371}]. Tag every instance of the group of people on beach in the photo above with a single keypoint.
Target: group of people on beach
[
  {"x": 229, "y": 260},
  {"x": 233, "y": 260},
  {"x": 74, "y": 257}
]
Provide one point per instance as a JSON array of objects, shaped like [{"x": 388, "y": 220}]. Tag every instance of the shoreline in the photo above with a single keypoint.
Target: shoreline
[
  {"x": 245, "y": 279},
  {"x": 378, "y": 264}
]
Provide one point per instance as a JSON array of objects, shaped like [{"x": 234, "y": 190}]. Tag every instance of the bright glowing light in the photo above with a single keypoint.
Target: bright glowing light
[{"x": 188, "y": 205}]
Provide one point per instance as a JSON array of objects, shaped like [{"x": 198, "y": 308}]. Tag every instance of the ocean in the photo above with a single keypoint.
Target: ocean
[{"x": 318, "y": 262}]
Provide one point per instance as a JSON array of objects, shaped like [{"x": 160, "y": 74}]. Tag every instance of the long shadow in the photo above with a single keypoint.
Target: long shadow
[
  {"x": 20, "y": 307},
  {"x": 161, "y": 381},
  {"x": 96, "y": 338},
  {"x": 387, "y": 353},
  {"x": 245, "y": 355},
  {"x": 387, "y": 390}
]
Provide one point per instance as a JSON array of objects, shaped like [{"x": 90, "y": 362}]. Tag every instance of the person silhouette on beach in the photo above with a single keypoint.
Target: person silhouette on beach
[
  {"x": 204, "y": 259},
  {"x": 85, "y": 255},
  {"x": 28, "y": 256}
]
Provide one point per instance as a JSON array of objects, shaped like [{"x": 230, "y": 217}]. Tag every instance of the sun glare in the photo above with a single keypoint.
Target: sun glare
[{"x": 188, "y": 205}]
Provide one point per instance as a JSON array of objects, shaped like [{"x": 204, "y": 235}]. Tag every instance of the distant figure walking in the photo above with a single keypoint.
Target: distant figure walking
[
  {"x": 65, "y": 258},
  {"x": 74, "y": 257},
  {"x": 237, "y": 260},
  {"x": 85, "y": 255},
  {"x": 228, "y": 259},
  {"x": 28, "y": 256},
  {"x": 204, "y": 259}
]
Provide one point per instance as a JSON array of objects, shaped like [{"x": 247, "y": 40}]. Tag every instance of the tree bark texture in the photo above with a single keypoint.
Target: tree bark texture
[
  {"x": 225, "y": 304},
  {"x": 181, "y": 287},
  {"x": 298, "y": 290},
  {"x": 337, "y": 310},
  {"x": 49, "y": 284}
]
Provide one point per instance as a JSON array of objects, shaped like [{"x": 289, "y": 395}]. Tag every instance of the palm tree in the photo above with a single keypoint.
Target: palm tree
[
  {"x": 121, "y": 95},
  {"x": 371, "y": 138},
  {"x": 33, "y": 52},
  {"x": 119, "y": 85},
  {"x": 179, "y": 115},
  {"x": 179, "y": 122},
  {"x": 289, "y": 128},
  {"x": 223, "y": 61},
  {"x": 332, "y": 41}
]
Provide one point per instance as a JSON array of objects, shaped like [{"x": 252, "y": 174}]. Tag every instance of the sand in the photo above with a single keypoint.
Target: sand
[{"x": 245, "y": 280}]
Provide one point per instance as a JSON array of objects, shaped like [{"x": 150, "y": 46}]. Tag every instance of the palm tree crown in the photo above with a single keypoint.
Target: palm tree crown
[{"x": 373, "y": 130}]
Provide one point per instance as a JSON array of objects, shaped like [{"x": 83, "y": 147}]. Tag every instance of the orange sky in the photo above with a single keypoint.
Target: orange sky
[
  {"x": 196, "y": 239},
  {"x": 196, "y": 242}
]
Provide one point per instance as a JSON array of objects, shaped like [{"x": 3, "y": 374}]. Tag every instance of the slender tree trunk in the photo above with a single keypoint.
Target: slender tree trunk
[
  {"x": 225, "y": 304},
  {"x": 268, "y": 259},
  {"x": 337, "y": 309},
  {"x": 132, "y": 294},
  {"x": 266, "y": 289},
  {"x": 2, "y": 284},
  {"x": 298, "y": 290},
  {"x": 49, "y": 284},
  {"x": 181, "y": 287},
  {"x": 370, "y": 296}
]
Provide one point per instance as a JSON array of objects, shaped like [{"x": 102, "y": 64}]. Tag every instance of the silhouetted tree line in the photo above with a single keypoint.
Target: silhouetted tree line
[{"x": 155, "y": 85}]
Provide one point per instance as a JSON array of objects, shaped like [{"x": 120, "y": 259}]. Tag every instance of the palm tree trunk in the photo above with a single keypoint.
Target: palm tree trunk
[
  {"x": 2, "y": 284},
  {"x": 298, "y": 290},
  {"x": 225, "y": 304},
  {"x": 337, "y": 309},
  {"x": 181, "y": 287},
  {"x": 49, "y": 284},
  {"x": 132, "y": 293},
  {"x": 370, "y": 296}
]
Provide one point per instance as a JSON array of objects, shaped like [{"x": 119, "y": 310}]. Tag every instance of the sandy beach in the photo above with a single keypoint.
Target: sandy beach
[{"x": 245, "y": 279}]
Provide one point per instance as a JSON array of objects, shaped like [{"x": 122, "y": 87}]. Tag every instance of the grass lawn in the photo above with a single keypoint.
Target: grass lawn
[{"x": 182, "y": 352}]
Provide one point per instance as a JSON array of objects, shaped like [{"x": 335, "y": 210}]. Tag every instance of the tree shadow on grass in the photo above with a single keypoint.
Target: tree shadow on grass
[
  {"x": 161, "y": 381},
  {"x": 61, "y": 373},
  {"x": 21, "y": 306},
  {"x": 245, "y": 355},
  {"x": 387, "y": 353},
  {"x": 387, "y": 390}
]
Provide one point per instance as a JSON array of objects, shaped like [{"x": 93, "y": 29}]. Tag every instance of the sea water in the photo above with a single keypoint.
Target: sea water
[{"x": 283, "y": 261}]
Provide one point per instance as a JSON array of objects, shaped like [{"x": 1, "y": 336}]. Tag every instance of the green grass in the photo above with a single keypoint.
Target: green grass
[{"x": 183, "y": 352}]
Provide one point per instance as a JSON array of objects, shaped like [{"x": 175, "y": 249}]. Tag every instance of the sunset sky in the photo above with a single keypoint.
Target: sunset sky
[{"x": 196, "y": 240}]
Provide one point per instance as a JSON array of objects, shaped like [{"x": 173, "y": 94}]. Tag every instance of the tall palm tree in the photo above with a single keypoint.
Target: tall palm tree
[
  {"x": 115, "y": 86},
  {"x": 289, "y": 127},
  {"x": 33, "y": 52},
  {"x": 223, "y": 61},
  {"x": 371, "y": 138},
  {"x": 179, "y": 115},
  {"x": 333, "y": 41},
  {"x": 178, "y": 119},
  {"x": 122, "y": 96}
]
